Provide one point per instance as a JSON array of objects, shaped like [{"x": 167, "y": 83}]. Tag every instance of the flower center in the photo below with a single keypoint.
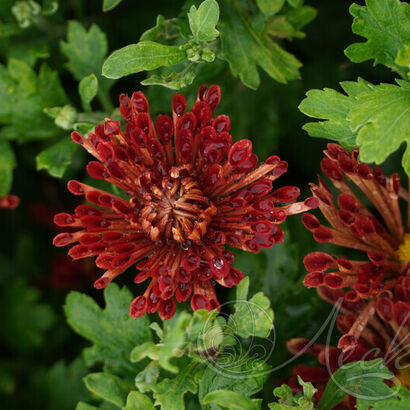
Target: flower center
[
  {"x": 404, "y": 249},
  {"x": 177, "y": 210}
]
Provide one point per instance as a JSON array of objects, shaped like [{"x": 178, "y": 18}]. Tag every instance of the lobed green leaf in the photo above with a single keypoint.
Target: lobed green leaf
[
  {"x": 203, "y": 20},
  {"x": 245, "y": 50},
  {"x": 385, "y": 25}
]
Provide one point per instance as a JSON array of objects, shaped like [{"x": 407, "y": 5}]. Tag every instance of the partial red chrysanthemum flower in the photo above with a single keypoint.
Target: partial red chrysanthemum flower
[
  {"x": 330, "y": 359},
  {"x": 9, "y": 202},
  {"x": 380, "y": 281},
  {"x": 190, "y": 191}
]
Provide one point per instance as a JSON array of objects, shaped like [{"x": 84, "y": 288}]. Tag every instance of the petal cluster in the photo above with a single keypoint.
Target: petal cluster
[
  {"x": 372, "y": 291},
  {"x": 364, "y": 214},
  {"x": 188, "y": 191}
]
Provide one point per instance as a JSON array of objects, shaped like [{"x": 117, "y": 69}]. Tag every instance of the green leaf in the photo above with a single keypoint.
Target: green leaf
[
  {"x": 112, "y": 331},
  {"x": 295, "y": 3},
  {"x": 7, "y": 164},
  {"x": 230, "y": 400},
  {"x": 253, "y": 317},
  {"x": 84, "y": 406},
  {"x": 88, "y": 89},
  {"x": 203, "y": 20},
  {"x": 288, "y": 401},
  {"x": 62, "y": 385},
  {"x": 147, "y": 349},
  {"x": 49, "y": 7},
  {"x": 174, "y": 340},
  {"x": 110, "y": 4},
  {"x": 164, "y": 29},
  {"x": 381, "y": 118},
  {"x": 145, "y": 379},
  {"x": 245, "y": 50},
  {"x": 270, "y": 7},
  {"x": 289, "y": 25},
  {"x": 108, "y": 386},
  {"x": 399, "y": 399},
  {"x": 23, "y": 319},
  {"x": 172, "y": 80},
  {"x": 84, "y": 49},
  {"x": 56, "y": 158},
  {"x": 233, "y": 372},
  {"x": 138, "y": 401},
  {"x": 308, "y": 389},
  {"x": 363, "y": 379},
  {"x": 385, "y": 24},
  {"x": 145, "y": 55},
  {"x": 285, "y": 395},
  {"x": 169, "y": 393},
  {"x": 333, "y": 107},
  {"x": 23, "y": 97},
  {"x": 64, "y": 117},
  {"x": 29, "y": 52}
]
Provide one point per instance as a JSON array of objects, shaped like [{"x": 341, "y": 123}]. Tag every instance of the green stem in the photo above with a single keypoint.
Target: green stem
[{"x": 105, "y": 100}]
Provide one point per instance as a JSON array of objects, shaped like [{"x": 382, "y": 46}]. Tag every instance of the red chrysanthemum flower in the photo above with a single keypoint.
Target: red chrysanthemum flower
[
  {"x": 373, "y": 292},
  {"x": 190, "y": 192},
  {"x": 9, "y": 202}
]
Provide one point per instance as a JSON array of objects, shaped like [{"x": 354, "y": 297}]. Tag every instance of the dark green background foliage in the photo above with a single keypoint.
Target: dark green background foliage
[{"x": 265, "y": 55}]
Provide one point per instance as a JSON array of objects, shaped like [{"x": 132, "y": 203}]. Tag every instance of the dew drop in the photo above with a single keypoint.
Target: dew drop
[{"x": 186, "y": 245}]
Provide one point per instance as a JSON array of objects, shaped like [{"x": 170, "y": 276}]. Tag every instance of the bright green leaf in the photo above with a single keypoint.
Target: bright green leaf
[
  {"x": 203, "y": 20},
  {"x": 287, "y": 401},
  {"x": 145, "y": 55},
  {"x": 56, "y": 158},
  {"x": 64, "y": 117},
  {"x": 148, "y": 349},
  {"x": 285, "y": 395},
  {"x": 108, "y": 386},
  {"x": 381, "y": 118},
  {"x": 308, "y": 389},
  {"x": 88, "y": 89},
  {"x": 138, "y": 401},
  {"x": 145, "y": 379},
  {"x": 169, "y": 393},
  {"x": 113, "y": 332},
  {"x": 362, "y": 379},
  {"x": 385, "y": 25},
  {"x": 7, "y": 164},
  {"x": 230, "y": 400},
  {"x": 253, "y": 317},
  {"x": 110, "y": 4},
  {"x": 332, "y": 107},
  {"x": 233, "y": 372},
  {"x": 245, "y": 50}
]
